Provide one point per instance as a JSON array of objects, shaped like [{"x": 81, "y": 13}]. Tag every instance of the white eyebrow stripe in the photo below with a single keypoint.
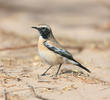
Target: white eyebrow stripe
[{"x": 44, "y": 25}]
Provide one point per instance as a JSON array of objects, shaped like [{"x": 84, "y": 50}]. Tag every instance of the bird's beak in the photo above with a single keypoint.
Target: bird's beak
[{"x": 36, "y": 28}]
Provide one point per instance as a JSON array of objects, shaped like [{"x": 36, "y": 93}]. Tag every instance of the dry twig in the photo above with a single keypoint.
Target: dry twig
[
  {"x": 17, "y": 48},
  {"x": 5, "y": 94},
  {"x": 37, "y": 96},
  {"x": 79, "y": 48}
]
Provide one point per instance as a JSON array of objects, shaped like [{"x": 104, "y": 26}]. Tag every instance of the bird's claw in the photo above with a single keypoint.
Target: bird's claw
[{"x": 43, "y": 74}]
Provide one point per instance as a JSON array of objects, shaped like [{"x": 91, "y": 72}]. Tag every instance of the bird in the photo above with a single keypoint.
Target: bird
[{"x": 51, "y": 51}]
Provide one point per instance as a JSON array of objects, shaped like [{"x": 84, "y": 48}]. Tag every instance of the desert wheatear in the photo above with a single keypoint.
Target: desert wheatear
[{"x": 51, "y": 51}]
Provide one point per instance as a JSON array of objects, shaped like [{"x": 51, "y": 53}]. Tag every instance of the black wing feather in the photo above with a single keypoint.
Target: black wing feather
[
  {"x": 64, "y": 53},
  {"x": 59, "y": 51}
]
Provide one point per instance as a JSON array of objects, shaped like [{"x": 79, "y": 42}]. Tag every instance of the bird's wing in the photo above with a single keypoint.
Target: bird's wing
[
  {"x": 58, "y": 50},
  {"x": 63, "y": 53}
]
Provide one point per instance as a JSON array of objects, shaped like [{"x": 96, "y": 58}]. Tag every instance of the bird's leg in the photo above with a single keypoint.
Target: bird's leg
[
  {"x": 58, "y": 69},
  {"x": 46, "y": 71}
]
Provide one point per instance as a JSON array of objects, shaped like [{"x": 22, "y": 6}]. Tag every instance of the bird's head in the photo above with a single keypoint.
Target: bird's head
[{"x": 44, "y": 30}]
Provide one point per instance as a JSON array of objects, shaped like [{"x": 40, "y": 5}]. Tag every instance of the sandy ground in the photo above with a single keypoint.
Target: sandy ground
[{"x": 81, "y": 26}]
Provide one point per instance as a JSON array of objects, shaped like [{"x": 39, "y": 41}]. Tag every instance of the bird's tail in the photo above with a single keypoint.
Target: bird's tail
[{"x": 79, "y": 65}]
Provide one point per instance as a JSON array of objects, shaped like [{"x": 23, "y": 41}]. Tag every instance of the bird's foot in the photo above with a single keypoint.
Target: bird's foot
[
  {"x": 43, "y": 74},
  {"x": 54, "y": 76}
]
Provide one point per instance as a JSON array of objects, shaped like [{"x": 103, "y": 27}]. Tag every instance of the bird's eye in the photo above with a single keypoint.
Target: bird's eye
[{"x": 43, "y": 28}]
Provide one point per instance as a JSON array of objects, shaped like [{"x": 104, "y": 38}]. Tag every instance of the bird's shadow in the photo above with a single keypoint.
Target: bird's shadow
[
  {"x": 74, "y": 73},
  {"x": 67, "y": 71}
]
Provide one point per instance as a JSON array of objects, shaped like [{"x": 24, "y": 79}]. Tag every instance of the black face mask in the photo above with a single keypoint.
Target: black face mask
[{"x": 45, "y": 33}]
